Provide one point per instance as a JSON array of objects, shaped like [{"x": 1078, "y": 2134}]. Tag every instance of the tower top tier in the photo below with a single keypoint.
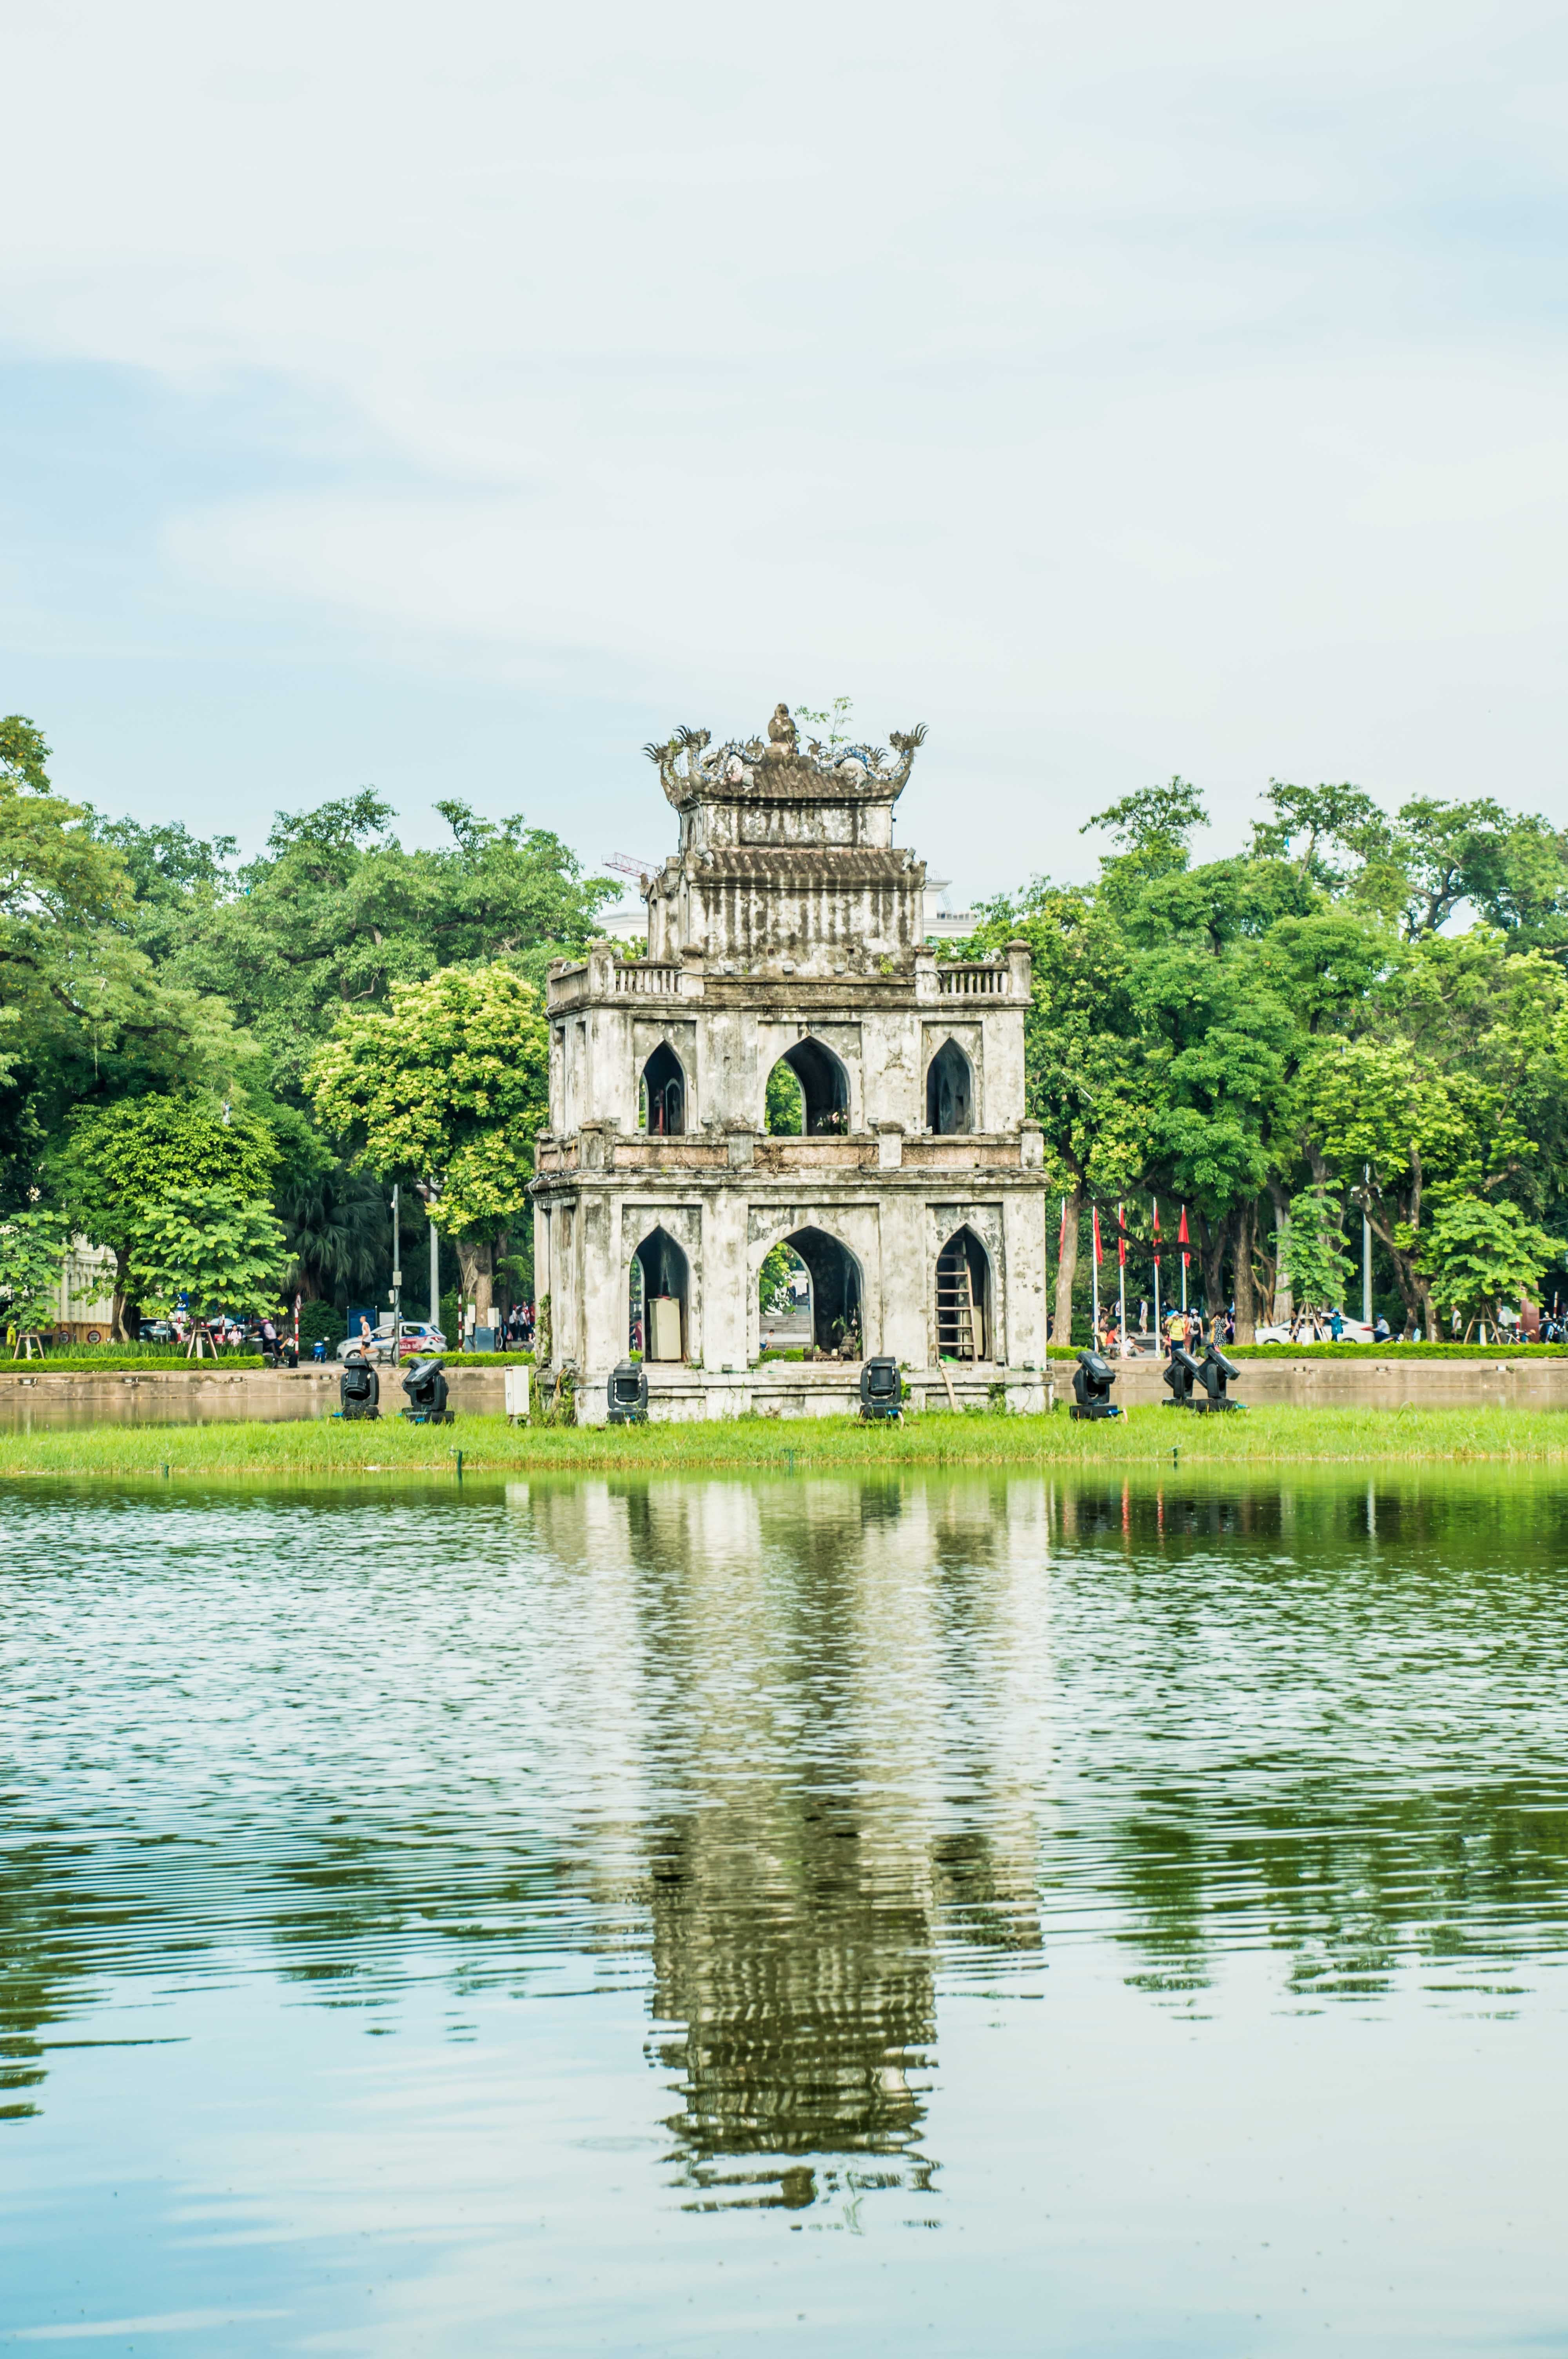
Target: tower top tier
[
  {"x": 779, "y": 769},
  {"x": 787, "y": 852}
]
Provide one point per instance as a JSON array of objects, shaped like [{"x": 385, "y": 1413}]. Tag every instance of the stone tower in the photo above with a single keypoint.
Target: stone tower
[{"x": 787, "y": 929}]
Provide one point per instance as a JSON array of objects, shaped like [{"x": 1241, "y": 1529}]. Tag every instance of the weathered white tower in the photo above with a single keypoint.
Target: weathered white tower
[{"x": 787, "y": 929}]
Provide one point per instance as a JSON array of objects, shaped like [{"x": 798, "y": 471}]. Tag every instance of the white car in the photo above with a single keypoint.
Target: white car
[
  {"x": 417, "y": 1340},
  {"x": 1352, "y": 1330}
]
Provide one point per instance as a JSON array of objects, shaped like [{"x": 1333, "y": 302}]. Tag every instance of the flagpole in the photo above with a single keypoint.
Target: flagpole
[
  {"x": 1093, "y": 1223},
  {"x": 1122, "y": 1274},
  {"x": 1183, "y": 1232},
  {"x": 1155, "y": 1201}
]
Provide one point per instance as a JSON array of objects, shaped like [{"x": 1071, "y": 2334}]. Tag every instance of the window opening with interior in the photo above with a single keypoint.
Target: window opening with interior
[
  {"x": 808, "y": 1092},
  {"x": 662, "y": 1097},
  {"x": 834, "y": 1294},
  {"x": 657, "y": 1308},
  {"x": 949, "y": 1091}
]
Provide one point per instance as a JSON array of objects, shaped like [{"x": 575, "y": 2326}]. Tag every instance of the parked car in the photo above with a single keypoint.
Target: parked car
[
  {"x": 417, "y": 1340},
  {"x": 420, "y": 1340},
  {"x": 156, "y": 1331}
]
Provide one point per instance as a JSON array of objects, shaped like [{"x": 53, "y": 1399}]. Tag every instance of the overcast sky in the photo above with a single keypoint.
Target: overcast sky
[{"x": 451, "y": 399}]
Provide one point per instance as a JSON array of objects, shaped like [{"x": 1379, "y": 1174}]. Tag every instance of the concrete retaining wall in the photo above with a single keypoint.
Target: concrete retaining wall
[
  {"x": 1392, "y": 1382},
  {"x": 175, "y": 1396},
  {"x": 787, "y": 1388}
]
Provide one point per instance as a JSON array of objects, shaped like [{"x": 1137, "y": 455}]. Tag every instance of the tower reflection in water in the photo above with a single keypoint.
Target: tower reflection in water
[{"x": 842, "y": 1708}]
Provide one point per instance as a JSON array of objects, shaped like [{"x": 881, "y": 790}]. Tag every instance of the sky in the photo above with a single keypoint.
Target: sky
[{"x": 452, "y": 400}]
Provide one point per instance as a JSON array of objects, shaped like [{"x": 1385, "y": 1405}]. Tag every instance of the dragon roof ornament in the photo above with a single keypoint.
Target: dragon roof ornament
[{"x": 692, "y": 769}]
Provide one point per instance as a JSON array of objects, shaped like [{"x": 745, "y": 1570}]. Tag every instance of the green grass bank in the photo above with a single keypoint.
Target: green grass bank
[{"x": 1257, "y": 1439}]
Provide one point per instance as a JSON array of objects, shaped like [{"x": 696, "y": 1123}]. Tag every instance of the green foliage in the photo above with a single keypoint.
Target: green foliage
[
  {"x": 339, "y": 1229},
  {"x": 83, "y": 1013},
  {"x": 122, "y": 1161},
  {"x": 319, "y": 1322},
  {"x": 1475, "y": 1252},
  {"x": 774, "y": 1280},
  {"x": 127, "y": 1359},
  {"x": 226, "y": 1253},
  {"x": 1314, "y": 1259},
  {"x": 446, "y": 1086},
  {"x": 32, "y": 1250},
  {"x": 834, "y": 719},
  {"x": 784, "y": 1106},
  {"x": 336, "y": 911}
]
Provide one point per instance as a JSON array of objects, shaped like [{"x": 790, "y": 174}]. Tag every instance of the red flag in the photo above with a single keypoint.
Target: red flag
[
  {"x": 1155, "y": 1201},
  {"x": 1061, "y": 1231},
  {"x": 1183, "y": 1238},
  {"x": 1094, "y": 1218},
  {"x": 1120, "y": 1237}
]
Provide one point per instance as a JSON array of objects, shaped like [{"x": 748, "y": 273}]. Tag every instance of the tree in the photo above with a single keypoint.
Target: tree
[
  {"x": 783, "y": 1106},
  {"x": 1087, "y": 1080},
  {"x": 1314, "y": 1259},
  {"x": 223, "y": 1251},
  {"x": 335, "y": 1223},
  {"x": 776, "y": 1280},
  {"x": 83, "y": 1015},
  {"x": 336, "y": 911},
  {"x": 1153, "y": 826},
  {"x": 445, "y": 1088},
  {"x": 119, "y": 1162},
  {"x": 177, "y": 879},
  {"x": 1475, "y": 1252},
  {"x": 1309, "y": 823},
  {"x": 32, "y": 1252}
]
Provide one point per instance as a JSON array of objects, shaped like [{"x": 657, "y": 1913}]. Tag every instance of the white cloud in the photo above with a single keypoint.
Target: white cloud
[{"x": 1117, "y": 390}]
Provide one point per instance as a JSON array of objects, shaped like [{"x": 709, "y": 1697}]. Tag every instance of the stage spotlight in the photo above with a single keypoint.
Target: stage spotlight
[
  {"x": 1214, "y": 1372},
  {"x": 1091, "y": 1387}
]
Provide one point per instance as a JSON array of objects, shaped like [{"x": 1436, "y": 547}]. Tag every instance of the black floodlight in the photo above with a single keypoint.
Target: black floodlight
[
  {"x": 627, "y": 1394},
  {"x": 359, "y": 1388},
  {"x": 882, "y": 1390},
  {"x": 425, "y": 1386},
  {"x": 1215, "y": 1374},
  {"x": 1182, "y": 1372},
  {"x": 1091, "y": 1387}
]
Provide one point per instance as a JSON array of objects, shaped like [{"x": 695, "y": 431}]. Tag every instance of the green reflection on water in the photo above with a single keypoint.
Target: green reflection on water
[{"x": 793, "y": 1758}]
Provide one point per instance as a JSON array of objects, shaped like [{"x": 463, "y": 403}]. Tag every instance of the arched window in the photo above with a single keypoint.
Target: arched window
[
  {"x": 949, "y": 1090},
  {"x": 823, "y": 1085},
  {"x": 964, "y": 1299},
  {"x": 834, "y": 1278},
  {"x": 783, "y": 1300},
  {"x": 658, "y": 1320},
  {"x": 663, "y": 1108}
]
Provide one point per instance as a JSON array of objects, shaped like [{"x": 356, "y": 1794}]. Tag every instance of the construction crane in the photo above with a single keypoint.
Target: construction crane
[{"x": 640, "y": 869}]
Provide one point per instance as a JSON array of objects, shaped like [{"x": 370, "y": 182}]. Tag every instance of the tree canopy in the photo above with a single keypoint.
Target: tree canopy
[{"x": 1309, "y": 1021}]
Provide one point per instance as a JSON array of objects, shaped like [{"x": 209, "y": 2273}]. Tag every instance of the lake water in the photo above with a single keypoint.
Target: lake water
[{"x": 946, "y": 1916}]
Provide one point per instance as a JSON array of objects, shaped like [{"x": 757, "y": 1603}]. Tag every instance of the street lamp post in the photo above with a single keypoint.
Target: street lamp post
[{"x": 396, "y": 1279}]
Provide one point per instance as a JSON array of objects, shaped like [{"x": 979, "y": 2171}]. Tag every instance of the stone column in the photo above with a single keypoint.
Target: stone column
[
  {"x": 1023, "y": 1233},
  {"x": 726, "y": 1279}
]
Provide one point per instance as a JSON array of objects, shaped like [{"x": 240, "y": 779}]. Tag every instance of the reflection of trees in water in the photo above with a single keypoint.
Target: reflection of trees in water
[
  {"x": 358, "y": 1916},
  {"x": 1320, "y": 1644},
  {"x": 798, "y": 1737}
]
